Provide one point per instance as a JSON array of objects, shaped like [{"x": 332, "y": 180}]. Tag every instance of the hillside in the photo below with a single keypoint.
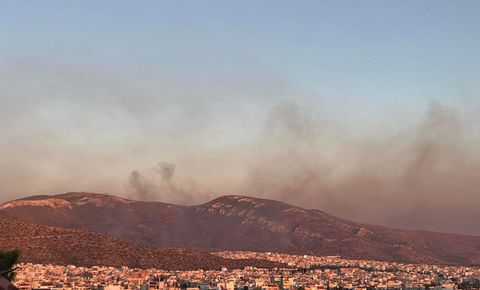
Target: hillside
[
  {"x": 47, "y": 244},
  {"x": 243, "y": 223}
]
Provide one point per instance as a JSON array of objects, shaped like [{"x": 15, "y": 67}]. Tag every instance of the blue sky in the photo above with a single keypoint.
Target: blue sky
[
  {"x": 376, "y": 50},
  {"x": 338, "y": 105}
]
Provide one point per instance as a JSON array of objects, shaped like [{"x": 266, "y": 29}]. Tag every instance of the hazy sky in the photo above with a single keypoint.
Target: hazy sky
[{"x": 365, "y": 109}]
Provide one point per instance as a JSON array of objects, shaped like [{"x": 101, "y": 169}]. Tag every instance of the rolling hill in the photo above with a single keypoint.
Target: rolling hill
[{"x": 48, "y": 244}]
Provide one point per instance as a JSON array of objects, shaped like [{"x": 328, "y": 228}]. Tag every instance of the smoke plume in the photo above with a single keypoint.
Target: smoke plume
[
  {"x": 157, "y": 184},
  {"x": 422, "y": 178},
  {"x": 166, "y": 170}
]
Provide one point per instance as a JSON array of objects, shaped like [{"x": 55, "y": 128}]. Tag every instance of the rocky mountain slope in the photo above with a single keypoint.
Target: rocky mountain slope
[
  {"x": 47, "y": 244},
  {"x": 243, "y": 223}
]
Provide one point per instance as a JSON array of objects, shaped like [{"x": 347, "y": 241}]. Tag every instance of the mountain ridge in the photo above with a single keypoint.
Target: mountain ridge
[{"x": 236, "y": 222}]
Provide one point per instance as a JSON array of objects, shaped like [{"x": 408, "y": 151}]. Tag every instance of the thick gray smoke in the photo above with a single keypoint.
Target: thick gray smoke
[
  {"x": 166, "y": 170},
  {"x": 140, "y": 188},
  {"x": 157, "y": 184}
]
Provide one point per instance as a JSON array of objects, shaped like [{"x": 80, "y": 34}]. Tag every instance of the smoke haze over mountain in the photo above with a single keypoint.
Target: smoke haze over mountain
[
  {"x": 420, "y": 171},
  {"x": 368, "y": 111},
  {"x": 425, "y": 177}
]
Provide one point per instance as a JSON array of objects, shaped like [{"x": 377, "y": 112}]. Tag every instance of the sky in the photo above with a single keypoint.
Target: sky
[{"x": 368, "y": 110}]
